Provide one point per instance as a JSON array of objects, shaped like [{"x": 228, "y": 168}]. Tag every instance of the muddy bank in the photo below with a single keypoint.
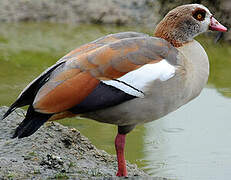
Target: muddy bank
[{"x": 54, "y": 151}]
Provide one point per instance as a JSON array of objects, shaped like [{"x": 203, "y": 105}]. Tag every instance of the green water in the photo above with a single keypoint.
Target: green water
[{"x": 189, "y": 143}]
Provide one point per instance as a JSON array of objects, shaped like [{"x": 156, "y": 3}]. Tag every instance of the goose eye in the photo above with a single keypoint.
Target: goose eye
[{"x": 199, "y": 14}]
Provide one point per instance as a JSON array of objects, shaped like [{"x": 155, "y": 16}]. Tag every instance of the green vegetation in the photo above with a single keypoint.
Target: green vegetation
[
  {"x": 11, "y": 175},
  {"x": 72, "y": 164},
  {"x": 32, "y": 153},
  {"x": 37, "y": 171},
  {"x": 61, "y": 176}
]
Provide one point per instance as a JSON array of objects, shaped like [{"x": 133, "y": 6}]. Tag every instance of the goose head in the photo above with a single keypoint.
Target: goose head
[{"x": 185, "y": 22}]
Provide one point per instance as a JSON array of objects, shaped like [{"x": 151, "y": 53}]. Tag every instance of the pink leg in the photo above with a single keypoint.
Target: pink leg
[{"x": 119, "y": 145}]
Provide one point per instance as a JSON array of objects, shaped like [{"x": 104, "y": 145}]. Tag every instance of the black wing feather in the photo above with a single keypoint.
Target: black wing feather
[
  {"x": 32, "y": 122},
  {"x": 102, "y": 97}
]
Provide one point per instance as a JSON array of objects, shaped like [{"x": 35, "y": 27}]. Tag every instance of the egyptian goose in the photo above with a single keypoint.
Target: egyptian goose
[{"x": 125, "y": 78}]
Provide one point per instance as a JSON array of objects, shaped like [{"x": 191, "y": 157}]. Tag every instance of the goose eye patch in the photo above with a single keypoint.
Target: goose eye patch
[{"x": 199, "y": 14}]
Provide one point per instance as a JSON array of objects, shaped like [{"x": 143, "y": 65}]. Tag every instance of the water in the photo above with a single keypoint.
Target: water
[{"x": 188, "y": 144}]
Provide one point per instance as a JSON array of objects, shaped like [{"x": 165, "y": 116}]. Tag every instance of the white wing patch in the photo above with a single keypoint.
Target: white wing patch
[{"x": 134, "y": 82}]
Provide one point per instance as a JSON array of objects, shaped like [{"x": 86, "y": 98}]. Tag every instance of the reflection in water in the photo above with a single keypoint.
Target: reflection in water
[
  {"x": 191, "y": 143},
  {"x": 220, "y": 65}
]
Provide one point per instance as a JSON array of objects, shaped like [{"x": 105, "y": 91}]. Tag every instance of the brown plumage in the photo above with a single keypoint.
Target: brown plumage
[
  {"x": 64, "y": 95},
  {"x": 64, "y": 89}
]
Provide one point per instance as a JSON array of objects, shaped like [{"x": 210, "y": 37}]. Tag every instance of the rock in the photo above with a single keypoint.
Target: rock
[
  {"x": 118, "y": 12},
  {"x": 54, "y": 151}
]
